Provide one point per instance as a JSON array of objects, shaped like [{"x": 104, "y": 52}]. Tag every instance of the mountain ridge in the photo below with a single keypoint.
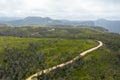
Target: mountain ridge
[{"x": 111, "y": 25}]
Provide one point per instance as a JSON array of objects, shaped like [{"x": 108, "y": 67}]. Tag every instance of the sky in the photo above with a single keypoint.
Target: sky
[{"x": 61, "y": 9}]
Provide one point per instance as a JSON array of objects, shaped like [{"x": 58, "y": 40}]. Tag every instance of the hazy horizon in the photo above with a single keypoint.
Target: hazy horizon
[{"x": 62, "y": 9}]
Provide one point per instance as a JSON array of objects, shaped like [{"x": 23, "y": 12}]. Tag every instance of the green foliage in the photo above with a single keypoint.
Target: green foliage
[
  {"x": 22, "y": 57},
  {"x": 56, "y": 45},
  {"x": 102, "y": 64}
]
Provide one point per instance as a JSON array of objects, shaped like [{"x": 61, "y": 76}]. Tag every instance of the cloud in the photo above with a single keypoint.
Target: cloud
[{"x": 61, "y": 9}]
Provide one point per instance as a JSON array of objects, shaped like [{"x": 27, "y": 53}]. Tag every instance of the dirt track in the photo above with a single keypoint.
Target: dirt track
[{"x": 66, "y": 63}]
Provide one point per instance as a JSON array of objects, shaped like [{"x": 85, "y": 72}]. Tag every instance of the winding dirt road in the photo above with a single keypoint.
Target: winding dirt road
[{"x": 66, "y": 63}]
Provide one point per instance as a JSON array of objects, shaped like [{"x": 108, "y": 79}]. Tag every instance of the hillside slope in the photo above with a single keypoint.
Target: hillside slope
[{"x": 102, "y": 64}]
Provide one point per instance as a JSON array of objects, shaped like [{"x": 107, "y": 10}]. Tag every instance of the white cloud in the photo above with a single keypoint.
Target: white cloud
[{"x": 62, "y": 9}]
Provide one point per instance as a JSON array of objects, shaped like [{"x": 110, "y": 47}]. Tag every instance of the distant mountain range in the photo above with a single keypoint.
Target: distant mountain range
[
  {"x": 3, "y": 25},
  {"x": 4, "y": 19},
  {"x": 113, "y": 26},
  {"x": 46, "y": 21}
]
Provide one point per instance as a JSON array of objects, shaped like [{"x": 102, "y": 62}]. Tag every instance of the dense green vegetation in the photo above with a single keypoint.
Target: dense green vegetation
[
  {"x": 52, "y": 46},
  {"x": 21, "y": 57},
  {"x": 102, "y": 64},
  {"x": 53, "y": 32}
]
